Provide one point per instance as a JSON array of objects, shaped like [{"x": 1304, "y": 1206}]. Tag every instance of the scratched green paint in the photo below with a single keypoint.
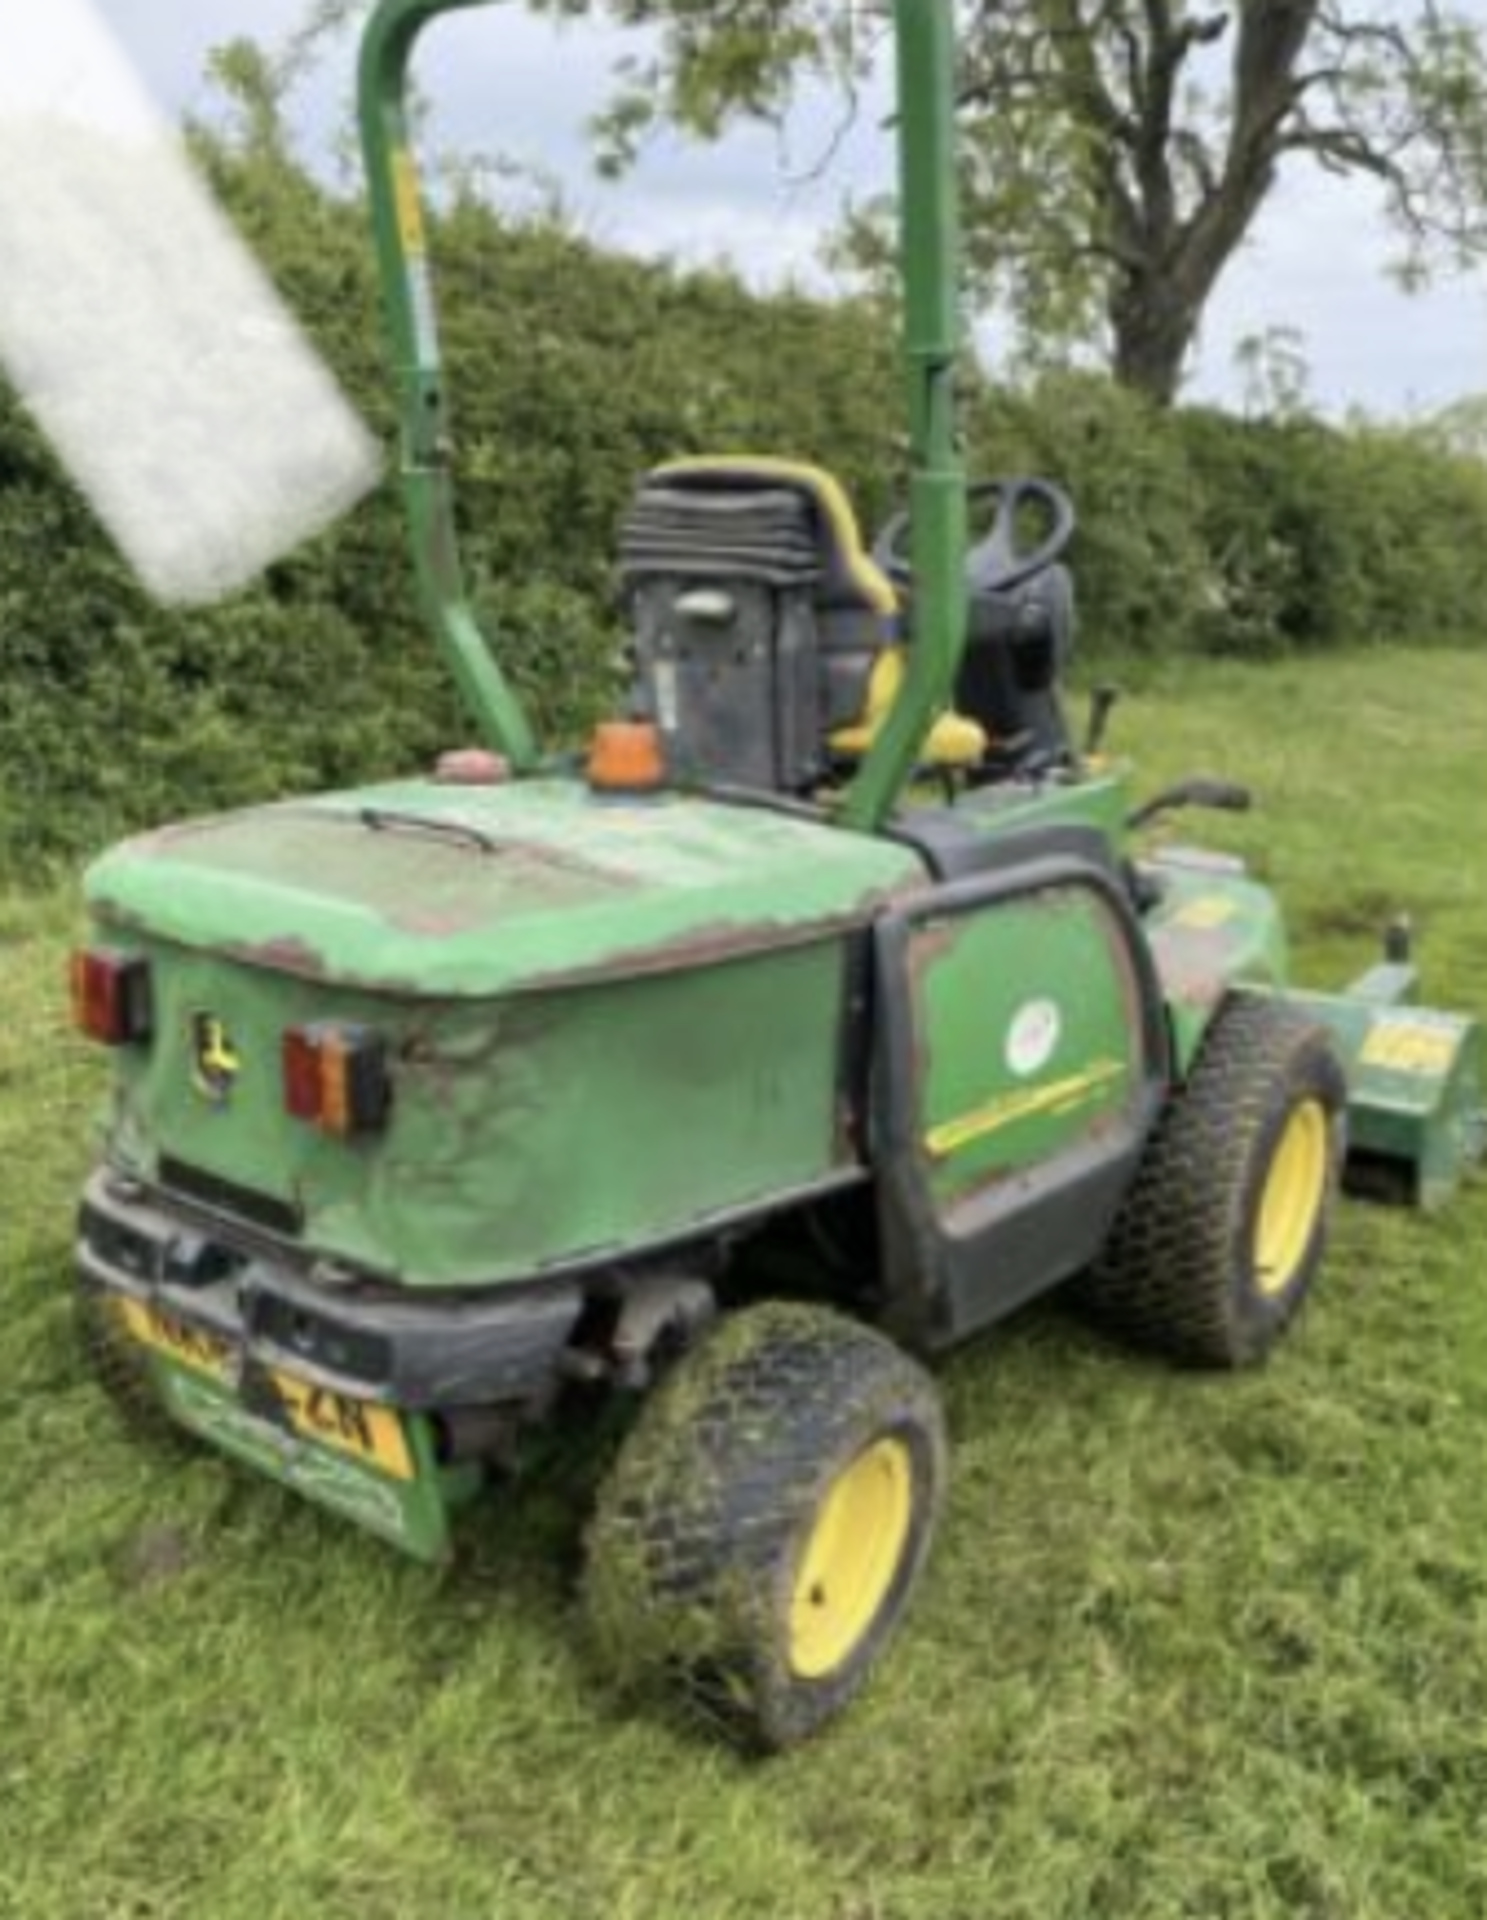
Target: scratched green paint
[
  {"x": 1011, "y": 1004},
  {"x": 1209, "y": 933},
  {"x": 527, "y": 1131},
  {"x": 482, "y": 891}
]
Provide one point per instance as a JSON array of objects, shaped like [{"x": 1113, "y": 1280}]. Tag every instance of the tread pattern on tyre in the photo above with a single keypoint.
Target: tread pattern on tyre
[
  {"x": 727, "y": 1460},
  {"x": 1173, "y": 1272}
]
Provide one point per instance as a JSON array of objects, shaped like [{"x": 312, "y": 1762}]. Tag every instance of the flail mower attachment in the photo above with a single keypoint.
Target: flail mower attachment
[{"x": 1417, "y": 1124}]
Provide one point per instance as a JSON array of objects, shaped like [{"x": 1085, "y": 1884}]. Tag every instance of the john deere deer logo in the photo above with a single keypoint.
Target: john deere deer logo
[{"x": 216, "y": 1060}]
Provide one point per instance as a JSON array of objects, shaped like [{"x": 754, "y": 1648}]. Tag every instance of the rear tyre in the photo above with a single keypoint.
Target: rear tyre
[
  {"x": 1221, "y": 1236},
  {"x": 119, "y": 1365},
  {"x": 759, "y": 1539}
]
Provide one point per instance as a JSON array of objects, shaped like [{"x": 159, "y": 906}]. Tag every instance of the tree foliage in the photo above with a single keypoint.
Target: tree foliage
[{"x": 1119, "y": 152}]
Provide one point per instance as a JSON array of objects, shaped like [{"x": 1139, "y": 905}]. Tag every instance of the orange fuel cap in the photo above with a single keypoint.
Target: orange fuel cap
[{"x": 625, "y": 757}]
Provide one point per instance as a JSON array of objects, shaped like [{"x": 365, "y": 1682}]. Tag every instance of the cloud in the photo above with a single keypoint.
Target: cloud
[
  {"x": 1320, "y": 263},
  {"x": 505, "y": 81}
]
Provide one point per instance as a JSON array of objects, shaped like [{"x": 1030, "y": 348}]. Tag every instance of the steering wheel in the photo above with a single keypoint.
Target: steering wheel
[{"x": 996, "y": 563}]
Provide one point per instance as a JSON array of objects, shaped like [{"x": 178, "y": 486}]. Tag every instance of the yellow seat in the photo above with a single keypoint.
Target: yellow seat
[{"x": 954, "y": 742}]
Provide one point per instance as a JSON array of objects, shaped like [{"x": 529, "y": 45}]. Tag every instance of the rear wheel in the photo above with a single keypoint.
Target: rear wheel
[
  {"x": 1220, "y": 1239},
  {"x": 760, "y": 1537}
]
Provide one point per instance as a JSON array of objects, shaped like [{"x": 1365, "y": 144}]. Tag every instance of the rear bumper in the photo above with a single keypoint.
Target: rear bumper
[{"x": 417, "y": 1355}]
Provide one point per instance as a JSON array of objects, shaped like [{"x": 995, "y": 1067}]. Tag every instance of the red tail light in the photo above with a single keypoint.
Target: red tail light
[
  {"x": 111, "y": 997},
  {"x": 336, "y": 1078}
]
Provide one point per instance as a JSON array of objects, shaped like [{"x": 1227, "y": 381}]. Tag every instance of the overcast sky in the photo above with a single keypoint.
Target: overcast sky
[{"x": 503, "y": 81}]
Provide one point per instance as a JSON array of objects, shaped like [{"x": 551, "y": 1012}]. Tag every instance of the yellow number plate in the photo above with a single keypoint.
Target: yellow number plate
[{"x": 356, "y": 1428}]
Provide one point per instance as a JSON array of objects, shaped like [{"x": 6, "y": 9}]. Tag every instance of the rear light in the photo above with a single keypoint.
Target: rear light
[
  {"x": 111, "y": 997},
  {"x": 336, "y": 1078}
]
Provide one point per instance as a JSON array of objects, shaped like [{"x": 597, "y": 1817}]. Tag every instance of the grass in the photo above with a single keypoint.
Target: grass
[{"x": 1214, "y": 1648}]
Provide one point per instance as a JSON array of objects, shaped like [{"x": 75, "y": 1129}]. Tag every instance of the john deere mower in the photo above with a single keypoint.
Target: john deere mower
[{"x": 820, "y": 1016}]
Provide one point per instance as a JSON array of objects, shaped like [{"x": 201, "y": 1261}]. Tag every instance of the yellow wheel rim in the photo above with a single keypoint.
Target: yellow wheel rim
[
  {"x": 851, "y": 1555},
  {"x": 1295, "y": 1192}
]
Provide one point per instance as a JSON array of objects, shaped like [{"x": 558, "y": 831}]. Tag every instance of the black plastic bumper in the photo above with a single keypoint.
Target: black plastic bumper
[{"x": 421, "y": 1355}]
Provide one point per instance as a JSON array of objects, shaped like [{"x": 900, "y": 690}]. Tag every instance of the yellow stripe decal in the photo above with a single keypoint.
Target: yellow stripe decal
[
  {"x": 409, "y": 202},
  {"x": 1056, "y": 1097}
]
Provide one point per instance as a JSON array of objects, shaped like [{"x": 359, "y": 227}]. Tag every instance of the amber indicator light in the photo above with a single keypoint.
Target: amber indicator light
[{"x": 336, "y": 1078}]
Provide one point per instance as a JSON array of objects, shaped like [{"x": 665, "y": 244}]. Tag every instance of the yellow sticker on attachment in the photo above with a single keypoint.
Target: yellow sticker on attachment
[
  {"x": 1411, "y": 1046},
  {"x": 409, "y": 201}
]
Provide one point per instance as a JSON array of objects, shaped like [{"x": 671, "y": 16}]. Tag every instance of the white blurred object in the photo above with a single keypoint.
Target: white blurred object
[{"x": 141, "y": 332}]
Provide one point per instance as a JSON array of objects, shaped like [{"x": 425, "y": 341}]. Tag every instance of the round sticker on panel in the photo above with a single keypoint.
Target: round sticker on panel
[{"x": 1034, "y": 1037}]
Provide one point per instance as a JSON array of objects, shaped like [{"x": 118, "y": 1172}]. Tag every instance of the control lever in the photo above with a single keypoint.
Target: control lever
[{"x": 1216, "y": 796}]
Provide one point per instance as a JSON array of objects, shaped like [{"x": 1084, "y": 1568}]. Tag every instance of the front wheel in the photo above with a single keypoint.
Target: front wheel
[
  {"x": 1221, "y": 1236},
  {"x": 764, "y": 1527}
]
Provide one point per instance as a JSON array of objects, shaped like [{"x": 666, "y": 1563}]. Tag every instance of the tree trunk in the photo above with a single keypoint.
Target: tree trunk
[
  {"x": 1153, "y": 328},
  {"x": 1172, "y": 258}
]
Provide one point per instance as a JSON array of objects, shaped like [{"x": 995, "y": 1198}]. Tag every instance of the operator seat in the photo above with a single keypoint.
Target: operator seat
[{"x": 767, "y": 641}]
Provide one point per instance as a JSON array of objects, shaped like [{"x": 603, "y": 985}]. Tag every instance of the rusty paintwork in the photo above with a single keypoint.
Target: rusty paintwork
[
  {"x": 1022, "y": 1035},
  {"x": 1213, "y": 931},
  {"x": 497, "y": 890},
  {"x": 528, "y": 1133}
]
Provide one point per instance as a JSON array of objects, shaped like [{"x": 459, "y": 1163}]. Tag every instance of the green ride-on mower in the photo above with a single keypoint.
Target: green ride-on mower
[{"x": 824, "y": 1014}]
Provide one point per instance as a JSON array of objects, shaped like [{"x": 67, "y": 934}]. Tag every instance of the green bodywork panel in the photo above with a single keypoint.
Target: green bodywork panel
[
  {"x": 591, "y": 1124},
  {"x": 414, "y": 1515},
  {"x": 1028, "y": 1035},
  {"x": 1099, "y": 800},
  {"x": 526, "y": 1134},
  {"x": 1214, "y": 929},
  {"x": 472, "y": 892},
  {"x": 592, "y": 1052}
]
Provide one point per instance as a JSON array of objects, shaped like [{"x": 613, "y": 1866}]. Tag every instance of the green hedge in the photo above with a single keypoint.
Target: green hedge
[{"x": 573, "y": 371}]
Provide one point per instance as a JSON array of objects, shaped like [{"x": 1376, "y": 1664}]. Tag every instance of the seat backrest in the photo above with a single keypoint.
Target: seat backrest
[{"x": 1018, "y": 645}]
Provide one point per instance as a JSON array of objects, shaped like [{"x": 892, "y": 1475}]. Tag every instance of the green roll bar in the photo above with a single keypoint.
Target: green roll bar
[
  {"x": 413, "y": 329},
  {"x": 930, "y": 245}
]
